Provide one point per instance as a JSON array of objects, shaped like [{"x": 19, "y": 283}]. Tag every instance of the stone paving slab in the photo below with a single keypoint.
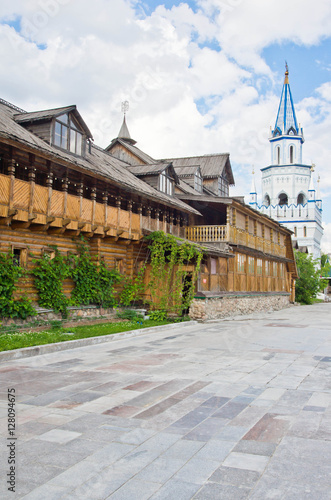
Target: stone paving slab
[{"x": 235, "y": 409}]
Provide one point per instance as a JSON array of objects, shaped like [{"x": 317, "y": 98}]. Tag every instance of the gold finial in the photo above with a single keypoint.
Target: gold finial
[
  {"x": 286, "y": 73},
  {"x": 253, "y": 172},
  {"x": 318, "y": 179},
  {"x": 312, "y": 168}
]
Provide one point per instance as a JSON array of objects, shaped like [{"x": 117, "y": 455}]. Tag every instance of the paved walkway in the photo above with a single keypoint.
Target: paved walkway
[{"x": 227, "y": 410}]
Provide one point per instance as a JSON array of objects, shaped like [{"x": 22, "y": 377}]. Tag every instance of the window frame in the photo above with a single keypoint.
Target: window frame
[{"x": 66, "y": 132}]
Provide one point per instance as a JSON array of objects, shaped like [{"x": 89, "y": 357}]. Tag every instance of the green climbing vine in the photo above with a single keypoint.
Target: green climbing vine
[
  {"x": 171, "y": 285},
  {"x": 49, "y": 274},
  {"x": 133, "y": 288},
  {"x": 94, "y": 281},
  {"x": 10, "y": 273}
]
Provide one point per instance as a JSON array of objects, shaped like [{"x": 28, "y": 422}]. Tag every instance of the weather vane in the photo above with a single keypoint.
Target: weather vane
[{"x": 125, "y": 107}]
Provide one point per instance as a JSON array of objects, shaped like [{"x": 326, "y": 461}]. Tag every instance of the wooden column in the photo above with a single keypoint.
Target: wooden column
[
  {"x": 65, "y": 198},
  {"x": 11, "y": 173},
  {"x": 80, "y": 192},
  {"x": 49, "y": 185},
  {"x": 140, "y": 213},
  {"x": 178, "y": 225},
  {"x": 93, "y": 198},
  {"x": 130, "y": 204},
  {"x": 157, "y": 217},
  {"x": 171, "y": 220},
  {"x": 32, "y": 181},
  {"x": 105, "y": 205},
  {"x": 118, "y": 206},
  {"x": 149, "y": 213}
]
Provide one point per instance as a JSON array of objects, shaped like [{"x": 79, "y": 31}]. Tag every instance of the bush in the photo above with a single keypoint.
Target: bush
[{"x": 309, "y": 282}]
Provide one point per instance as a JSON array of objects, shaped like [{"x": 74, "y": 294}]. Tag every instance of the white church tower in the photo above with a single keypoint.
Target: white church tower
[{"x": 288, "y": 192}]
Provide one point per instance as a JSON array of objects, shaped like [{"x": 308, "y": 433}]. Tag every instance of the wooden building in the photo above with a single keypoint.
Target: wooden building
[{"x": 56, "y": 185}]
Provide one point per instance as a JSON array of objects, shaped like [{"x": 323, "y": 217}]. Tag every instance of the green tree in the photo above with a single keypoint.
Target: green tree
[{"x": 309, "y": 282}]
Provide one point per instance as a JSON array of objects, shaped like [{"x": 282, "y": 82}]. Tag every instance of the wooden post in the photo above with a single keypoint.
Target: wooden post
[
  {"x": 105, "y": 205},
  {"x": 118, "y": 206},
  {"x": 140, "y": 213},
  {"x": 65, "y": 198},
  {"x": 93, "y": 198},
  {"x": 32, "y": 181},
  {"x": 178, "y": 225},
  {"x": 157, "y": 217},
  {"x": 130, "y": 204},
  {"x": 171, "y": 220},
  {"x": 49, "y": 185},
  {"x": 149, "y": 213},
  {"x": 11, "y": 172},
  {"x": 80, "y": 192}
]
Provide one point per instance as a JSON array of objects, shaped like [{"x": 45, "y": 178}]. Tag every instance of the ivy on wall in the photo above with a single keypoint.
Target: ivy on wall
[
  {"x": 49, "y": 274},
  {"x": 94, "y": 281},
  {"x": 10, "y": 273},
  {"x": 171, "y": 285}
]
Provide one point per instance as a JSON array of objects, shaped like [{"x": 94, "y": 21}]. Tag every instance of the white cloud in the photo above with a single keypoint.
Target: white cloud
[{"x": 195, "y": 79}]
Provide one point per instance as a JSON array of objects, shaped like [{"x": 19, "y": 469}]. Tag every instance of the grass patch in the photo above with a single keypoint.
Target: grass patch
[{"x": 17, "y": 340}]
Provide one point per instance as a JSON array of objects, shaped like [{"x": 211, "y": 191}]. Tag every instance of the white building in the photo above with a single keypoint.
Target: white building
[{"x": 288, "y": 192}]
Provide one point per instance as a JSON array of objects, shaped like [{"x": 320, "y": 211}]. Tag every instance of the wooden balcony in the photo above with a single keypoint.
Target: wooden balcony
[
  {"x": 233, "y": 235},
  {"x": 25, "y": 204}
]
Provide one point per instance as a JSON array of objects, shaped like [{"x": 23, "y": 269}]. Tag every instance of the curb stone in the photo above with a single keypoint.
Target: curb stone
[{"x": 27, "y": 352}]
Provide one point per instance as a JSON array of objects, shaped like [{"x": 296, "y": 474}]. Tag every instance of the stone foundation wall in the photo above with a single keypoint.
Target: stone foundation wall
[
  {"x": 233, "y": 305},
  {"x": 74, "y": 313}
]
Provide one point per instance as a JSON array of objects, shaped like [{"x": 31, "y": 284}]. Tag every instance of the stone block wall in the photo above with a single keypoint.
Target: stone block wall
[{"x": 233, "y": 305}]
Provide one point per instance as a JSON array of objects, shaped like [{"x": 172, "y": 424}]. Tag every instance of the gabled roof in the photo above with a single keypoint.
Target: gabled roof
[
  {"x": 186, "y": 189},
  {"x": 188, "y": 171},
  {"x": 97, "y": 162},
  {"x": 153, "y": 169},
  {"x": 211, "y": 165},
  {"x": 144, "y": 157},
  {"x": 48, "y": 114}
]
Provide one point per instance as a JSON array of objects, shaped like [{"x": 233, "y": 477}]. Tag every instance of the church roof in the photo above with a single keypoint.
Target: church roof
[
  {"x": 286, "y": 122},
  {"x": 211, "y": 165}
]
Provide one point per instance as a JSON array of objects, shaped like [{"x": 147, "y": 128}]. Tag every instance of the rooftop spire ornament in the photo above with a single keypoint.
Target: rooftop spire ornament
[{"x": 125, "y": 107}]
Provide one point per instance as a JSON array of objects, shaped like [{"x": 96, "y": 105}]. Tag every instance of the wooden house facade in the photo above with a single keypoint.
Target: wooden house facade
[{"x": 56, "y": 185}]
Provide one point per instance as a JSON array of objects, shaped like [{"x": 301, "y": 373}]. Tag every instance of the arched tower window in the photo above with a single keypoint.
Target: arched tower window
[
  {"x": 266, "y": 201},
  {"x": 283, "y": 199},
  {"x": 291, "y": 154},
  {"x": 301, "y": 199},
  {"x": 278, "y": 155},
  {"x": 304, "y": 231},
  {"x": 295, "y": 230}
]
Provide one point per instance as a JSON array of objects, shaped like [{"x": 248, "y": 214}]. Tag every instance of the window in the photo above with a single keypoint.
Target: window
[
  {"x": 198, "y": 181},
  {"x": 251, "y": 262},
  {"x": 165, "y": 184},
  {"x": 241, "y": 260},
  {"x": 19, "y": 256},
  {"x": 278, "y": 155},
  {"x": 213, "y": 266},
  {"x": 295, "y": 231},
  {"x": 291, "y": 154},
  {"x": 267, "y": 268},
  {"x": 67, "y": 135},
  {"x": 259, "y": 266},
  {"x": 223, "y": 186},
  {"x": 304, "y": 231},
  {"x": 266, "y": 201},
  {"x": 283, "y": 199},
  {"x": 301, "y": 199}
]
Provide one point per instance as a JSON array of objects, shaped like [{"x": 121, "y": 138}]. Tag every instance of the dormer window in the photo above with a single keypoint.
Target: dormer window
[
  {"x": 198, "y": 181},
  {"x": 166, "y": 183},
  {"x": 223, "y": 187},
  {"x": 67, "y": 135}
]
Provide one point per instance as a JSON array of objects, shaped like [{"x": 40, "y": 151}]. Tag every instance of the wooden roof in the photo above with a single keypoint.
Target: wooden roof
[
  {"x": 98, "y": 163},
  {"x": 153, "y": 169},
  {"x": 211, "y": 165},
  {"x": 35, "y": 116},
  {"x": 144, "y": 157}
]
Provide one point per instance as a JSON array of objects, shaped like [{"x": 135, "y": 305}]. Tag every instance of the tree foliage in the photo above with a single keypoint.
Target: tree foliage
[{"x": 309, "y": 282}]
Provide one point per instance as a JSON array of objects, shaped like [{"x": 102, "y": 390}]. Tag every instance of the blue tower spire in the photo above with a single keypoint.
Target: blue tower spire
[{"x": 286, "y": 122}]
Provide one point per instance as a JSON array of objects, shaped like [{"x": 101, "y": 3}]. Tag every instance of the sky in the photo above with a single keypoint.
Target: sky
[{"x": 201, "y": 76}]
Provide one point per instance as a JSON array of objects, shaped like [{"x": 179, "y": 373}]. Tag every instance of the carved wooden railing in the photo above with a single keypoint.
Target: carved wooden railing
[{"x": 234, "y": 235}]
